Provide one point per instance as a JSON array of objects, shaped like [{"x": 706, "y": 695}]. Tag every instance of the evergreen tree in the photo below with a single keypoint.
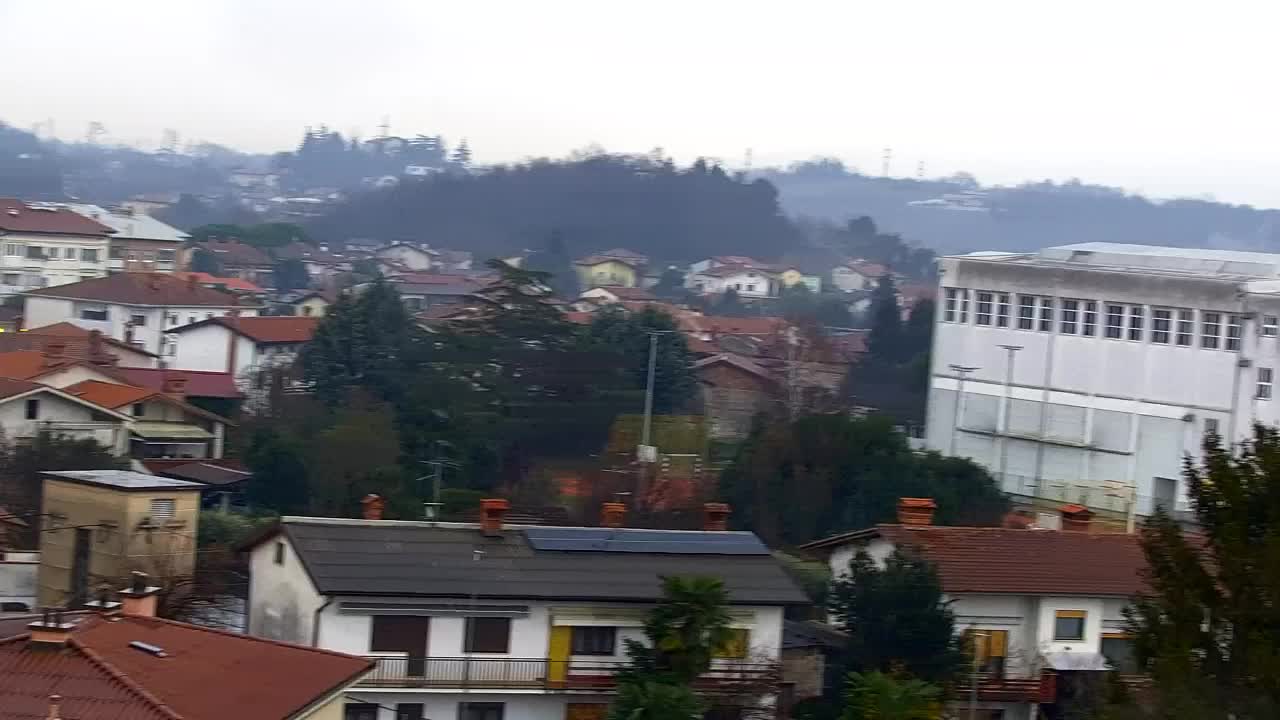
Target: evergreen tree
[
  {"x": 879, "y": 696},
  {"x": 670, "y": 285},
  {"x": 554, "y": 259},
  {"x": 279, "y": 481},
  {"x": 798, "y": 303},
  {"x": 885, "y": 341},
  {"x": 363, "y": 341},
  {"x": 462, "y": 154},
  {"x": 673, "y": 379},
  {"x": 206, "y": 262},
  {"x": 1209, "y": 630},
  {"x": 896, "y": 617},
  {"x": 730, "y": 305},
  {"x": 290, "y": 275}
]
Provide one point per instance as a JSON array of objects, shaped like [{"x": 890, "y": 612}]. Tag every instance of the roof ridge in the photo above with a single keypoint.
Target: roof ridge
[
  {"x": 122, "y": 677},
  {"x": 239, "y": 636}
]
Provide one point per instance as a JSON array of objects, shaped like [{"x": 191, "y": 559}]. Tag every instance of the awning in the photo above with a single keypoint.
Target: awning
[
  {"x": 169, "y": 431},
  {"x": 1076, "y": 661}
]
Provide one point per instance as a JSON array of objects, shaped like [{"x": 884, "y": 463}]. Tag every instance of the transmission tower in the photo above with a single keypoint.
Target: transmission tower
[{"x": 887, "y": 159}]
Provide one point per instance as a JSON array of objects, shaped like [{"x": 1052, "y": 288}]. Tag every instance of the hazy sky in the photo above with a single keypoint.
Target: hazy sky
[{"x": 1165, "y": 96}]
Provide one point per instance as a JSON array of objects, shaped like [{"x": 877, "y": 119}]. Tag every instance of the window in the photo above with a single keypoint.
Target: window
[
  {"x": 751, "y": 288},
  {"x": 13, "y": 250},
  {"x": 1270, "y": 325},
  {"x": 35, "y": 252},
  {"x": 983, "y": 314},
  {"x": 1026, "y": 312},
  {"x": 1069, "y": 625},
  {"x": 69, "y": 253},
  {"x": 171, "y": 318},
  {"x": 1070, "y": 319},
  {"x": 11, "y": 279},
  {"x": 956, "y": 308},
  {"x": 33, "y": 409},
  {"x": 1117, "y": 648},
  {"x": 588, "y": 640},
  {"x": 1161, "y": 324},
  {"x": 480, "y": 710},
  {"x": 191, "y": 319},
  {"x": 1090, "y": 326},
  {"x": 410, "y": 711},
  {"x": 487, "y": 635},
  {"x": 1186, "y": 328},
  {"x": 1135, "y": 322},
  {"x": 165, "y": 255},
  {"x": 163, "y": 510},
  {"x": 279, "y": 558},
  {"x": 360, "y": 711},
  {"x": 1046, "y": 315},
  {"x": 1002, "y": 310},
  {"x": 989, "y": 648},
  {"x": 1115, "y": 321},
  {"x": 170, "y": 347},
  {"x": 87, "y": 255},
  {"x": 139, "y": 409},
  {"x": 1210, "y": 330},
  {"x": 93, "y": 312},
  {"x": 399, "y": 634},
  {"x": 115, "y": 252},
  {"x": 1211, "y": 425},
  {"x": 1264, "y": 383},
  {"x": 138, "y": 320},
  {"x": 964, "y": 306},
  {"x": 1235, "y": 329},
  {"x": 737, "y": 644}
]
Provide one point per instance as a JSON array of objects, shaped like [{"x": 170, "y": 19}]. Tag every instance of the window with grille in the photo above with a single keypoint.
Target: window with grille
[
  {"x": 1002, "y": 310},
  {"x": 1264, "y": 383},
  {"x": 1186, "y": 328},
  {"x": 163, "y": 510},
  {"x": 1070, "y": 320},
  {"x": 1046, "y": 315},
  {"x": 1115, "y": 321},
  {"x": 1136, "y": 318},
  {"x": 1235, "y": 329},
  {"x": 983, "y": 315},
  {"x": 1161, "y": 325},
  {"x": 1210, "y": 330},
  {"x": 1089, "y": 327},
  {"x": 1026, "y": 312}
]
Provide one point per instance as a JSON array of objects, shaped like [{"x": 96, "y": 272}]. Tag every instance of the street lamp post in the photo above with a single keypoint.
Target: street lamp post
[
  {"x": 963, "y": 372},
  {"x": 1011, "y": 355}
]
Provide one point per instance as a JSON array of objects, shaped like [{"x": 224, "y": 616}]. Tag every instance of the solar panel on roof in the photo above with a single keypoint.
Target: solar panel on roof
[{"x": 672, "y": 542}]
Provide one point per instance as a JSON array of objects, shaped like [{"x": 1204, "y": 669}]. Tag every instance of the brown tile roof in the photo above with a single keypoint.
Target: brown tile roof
[
  {"x": 236, "y": 253},
  {"x": 31, "y": 364},
  {"x": 720, "y": 325},
  {"x": 598, "y": 259},
  {"x": 9, "y": 387},
  {"x": 230, "y": 283},
  {"x": 1028, "y": 562},
  {"x": 141, "y": 289},
  {"x": 266, "y": 329},
  {"x": 17, "y": 216},
  {"x": 204, "y": 674},
  {"x": 731, "y": 270},
  {"x": 109, "y": 395},
  {"x": 200, "y": 383},
  {"x": 78, "y": 340}
]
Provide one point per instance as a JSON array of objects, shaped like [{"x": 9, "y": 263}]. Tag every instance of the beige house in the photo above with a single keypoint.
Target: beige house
[{"x": 101, "y": 525}]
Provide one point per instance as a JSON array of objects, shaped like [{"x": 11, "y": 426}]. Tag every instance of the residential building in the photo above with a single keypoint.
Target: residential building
[
  {"x": 454, "y": 260},
  {"x": 131, "y": 664},
  {"x": 746, "y": 281},
  {"x": 857, "y": 275},
  {"x": 1087, "y": 373},
  {"x": 495, "y": 620},
  {"x": 214, "y": 391},
  {"x": 315, "y": 303},
  {"x": 161, "y": 424},
  {"x": 411, "y": 257},
  {"x": 735, "y": 390},
  {"x": 610, "y": 267},
  {"x": 1032, "y": 603},
  {"x": 135, "y": 308},
  {"x": 793, "y": 276},
  {"x": 101, "y": 525},
  {"x": 29, "y": 408},
  {"x": 712, "y": 263},
  {"x": 80, "y": 344},
  {"x": 616, "y": 294},
  {"x": 140, "y": 242},
  {"x": 321, "y": 264},
  {"x": 44, "y": 244},
  {"x": 237, "y": 259},
  {"x": 242, "y": 346},
  {"x": 234, "y": 285},
  {"x": 422, "y": 295}
]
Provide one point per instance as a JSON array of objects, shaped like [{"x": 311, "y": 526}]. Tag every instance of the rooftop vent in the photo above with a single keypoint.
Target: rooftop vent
[{"x": 148, "y": 648}]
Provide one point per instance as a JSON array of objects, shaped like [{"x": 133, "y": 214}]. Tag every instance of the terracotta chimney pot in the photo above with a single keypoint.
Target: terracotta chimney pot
[
  {"x": 493, "y": 512},
  {"x": 715, "y": 517},
  {"x": 916, "y": 511},
  {"x": 613, "y": 514},
  {"x": 373, "y": 506}
]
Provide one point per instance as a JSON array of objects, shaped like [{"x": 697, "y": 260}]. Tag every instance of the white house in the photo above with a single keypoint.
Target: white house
[
  {"x": 139, "y": 242},
  {"x": 44, "y": 244},
  {"x": 1032, "y": 603},
  {"x": 489, "y": 620},
  {"x": 746, "y": 281},
  {"x": 240, "y": 345},
  {"x": 1086, "y": 373},
  {"x": 160, "y": 424},
  {"x": 28, "y": 408},
  {"x": 857, "y": 275},
  {"x": 131, "y": 307},
  {"x": 409, "y": 256}
]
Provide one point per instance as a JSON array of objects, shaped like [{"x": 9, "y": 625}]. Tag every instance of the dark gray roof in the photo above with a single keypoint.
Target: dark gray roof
[
  {"x": 808, "y": 633},
  {"x": 346, "y": 557}
]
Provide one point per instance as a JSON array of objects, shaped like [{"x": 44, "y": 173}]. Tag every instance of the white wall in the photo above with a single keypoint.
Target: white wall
[
  {"x": 18, "y": 577},
  {"x": 282, "y": 600},
  {"x": 444, "y": 706},
  {"x": 40, "y": 311}
]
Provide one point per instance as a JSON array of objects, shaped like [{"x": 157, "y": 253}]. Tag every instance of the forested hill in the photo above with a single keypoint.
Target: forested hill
[
  {"x": 959, "y": 215},
  {"x": 602, "y": 201}
]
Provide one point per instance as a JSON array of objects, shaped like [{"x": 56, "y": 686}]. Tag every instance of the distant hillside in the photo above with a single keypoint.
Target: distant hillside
[{"x": 958, "y": 215}]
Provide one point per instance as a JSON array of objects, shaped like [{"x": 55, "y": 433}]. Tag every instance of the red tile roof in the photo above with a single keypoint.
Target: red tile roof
[
  {"x": 17, "y": 216},
  {"x": 1027, "y": 562},
  {"x": 230, "y": 283},
  {"x": 9, "y": 387},
  {"x": 867, "y": 269},
  {"x": 268, "y": 329},
  {"x": 80, "y": 336},
  {"x": 141, "y": 289},
  {"x": 204, "y": 674},
  {"x": 720, "y": 325},
  {"x": 109, "y": 395},
  {"x": 200, "y": 383},
  {"x": 30, "y": 364}
]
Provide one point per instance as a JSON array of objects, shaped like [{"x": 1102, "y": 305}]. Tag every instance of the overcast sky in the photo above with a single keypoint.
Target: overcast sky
[{"x": 1169, "y": 97}]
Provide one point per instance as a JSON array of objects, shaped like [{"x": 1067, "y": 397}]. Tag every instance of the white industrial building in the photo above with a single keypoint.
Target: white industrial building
[{"x": 1086, "y": 373}]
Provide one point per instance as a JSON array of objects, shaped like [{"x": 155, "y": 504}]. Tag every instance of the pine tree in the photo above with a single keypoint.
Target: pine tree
[
  {"x": 674, "y": 383},
  {"x": 364, "y": 341},
  {"x": 885, "y": 341},
  {"x": 462, "y": 154}
]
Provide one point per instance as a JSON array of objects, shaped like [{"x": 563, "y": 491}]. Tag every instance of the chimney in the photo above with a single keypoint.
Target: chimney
[
  {"x": 1076, "y": 517},
  {"x": 50, "y": 631},
  {"x": 103, "y": 602},
  {"x": 192, "y": 281},
  {"x": 97, "y": 355},
  {"x": 55, "y": 349},
  {"x": 55, "y": 708},
  {"x": 715, "y": 517},
  {"x": 139, "y": 598},
  {"x": 492, "y": 512},
  {"x": 916, "y": 511},
  {"x": 373, "y": 506},
  {"x": 153, "y": 282},
  {"x": 613, "y": 514},
  {"x": 176, "y": 386}
]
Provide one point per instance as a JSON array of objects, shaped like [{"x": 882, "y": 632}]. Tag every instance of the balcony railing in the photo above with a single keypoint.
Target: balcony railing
[
  {"x": 1042, "y": 688},
  {"x": 548, "y": 675}
]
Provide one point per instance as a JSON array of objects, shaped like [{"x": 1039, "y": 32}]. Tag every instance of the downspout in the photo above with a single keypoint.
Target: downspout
[{"x": 315, "y": 621}]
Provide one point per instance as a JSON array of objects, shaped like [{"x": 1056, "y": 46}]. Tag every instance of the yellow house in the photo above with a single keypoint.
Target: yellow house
[
  {"x": 792, "y": 276},
  {"x": 101, "y": 525},
  {"x": 618, "y": 267}
]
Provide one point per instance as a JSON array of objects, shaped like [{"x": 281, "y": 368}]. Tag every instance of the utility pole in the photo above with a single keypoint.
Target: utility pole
[
  {"x": 962, "y": 371},
  {"x": 973, "y": 677},
  {"x": 1011, "y": 355}
]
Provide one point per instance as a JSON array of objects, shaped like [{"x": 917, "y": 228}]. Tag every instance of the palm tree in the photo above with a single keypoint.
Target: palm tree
[{"x": 877, "y": 696}]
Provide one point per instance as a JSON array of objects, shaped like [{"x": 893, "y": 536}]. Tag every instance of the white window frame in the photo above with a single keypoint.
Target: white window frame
[
  {"x": 1235, "y": 332},
  {"x": 1069, "y": 318},
  {"x": 950, "y": 302},
  {"x": 14, "y": 250},
  {"x": 1046, "y": 314},
  {"x": 1089, "y": 324},
  {"x": 1266, "y": 383},
  {"x": 1026, "y": 312},
  {"x": 1161, "y": 325},
  {"x": 1186, "y": 328},
  {"x": 1002, "y": 310},
  {"x": 964, "y": 306},
  {"x": 982, "y": 312},
  {"x": 1211, "y": 330},
  {"x": 1136, "y": 329},
  {"x": 1115, "y": 321},
  {"x": 1270, "y": 325}
]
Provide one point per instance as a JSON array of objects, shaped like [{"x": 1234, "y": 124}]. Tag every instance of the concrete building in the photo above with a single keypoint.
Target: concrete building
[
  {"x": 30, "y": 408},
  {"x": 140, "y": 243},
  {"x": 410, "y": 257},
  {"x": 101, "y": 525},
  {"x": 242, "y": 346},
  {"x": 45, "y": 244},
  {"x": 494, "y": 620},
  {"x": 1086, "y": 373},
  {"x": 746, "y": 281},
  {"x": 1032, "y": 604}
]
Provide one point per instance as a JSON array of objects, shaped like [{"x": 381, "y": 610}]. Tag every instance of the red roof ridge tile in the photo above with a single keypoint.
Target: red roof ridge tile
[{"x": 121, "y": 677}]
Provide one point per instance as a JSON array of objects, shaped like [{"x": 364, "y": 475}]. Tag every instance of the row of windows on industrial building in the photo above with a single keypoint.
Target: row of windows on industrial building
[{"x": 1217, "y": 330}]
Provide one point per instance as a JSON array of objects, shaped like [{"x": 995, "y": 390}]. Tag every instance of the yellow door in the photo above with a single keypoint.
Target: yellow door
[{"x": 558, "y": 654}]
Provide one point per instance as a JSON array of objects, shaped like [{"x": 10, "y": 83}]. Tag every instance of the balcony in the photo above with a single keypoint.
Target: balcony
[
  {"x": 548, "y": 675},
  {"x": 995, "y": 688}
]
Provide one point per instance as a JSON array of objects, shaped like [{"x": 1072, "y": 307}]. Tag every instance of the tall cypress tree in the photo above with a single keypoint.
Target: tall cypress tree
[{"x": 885, "y": 341}]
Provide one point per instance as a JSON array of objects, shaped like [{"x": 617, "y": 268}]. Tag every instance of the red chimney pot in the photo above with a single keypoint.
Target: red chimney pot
[{"x": 493, "y": 511}]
